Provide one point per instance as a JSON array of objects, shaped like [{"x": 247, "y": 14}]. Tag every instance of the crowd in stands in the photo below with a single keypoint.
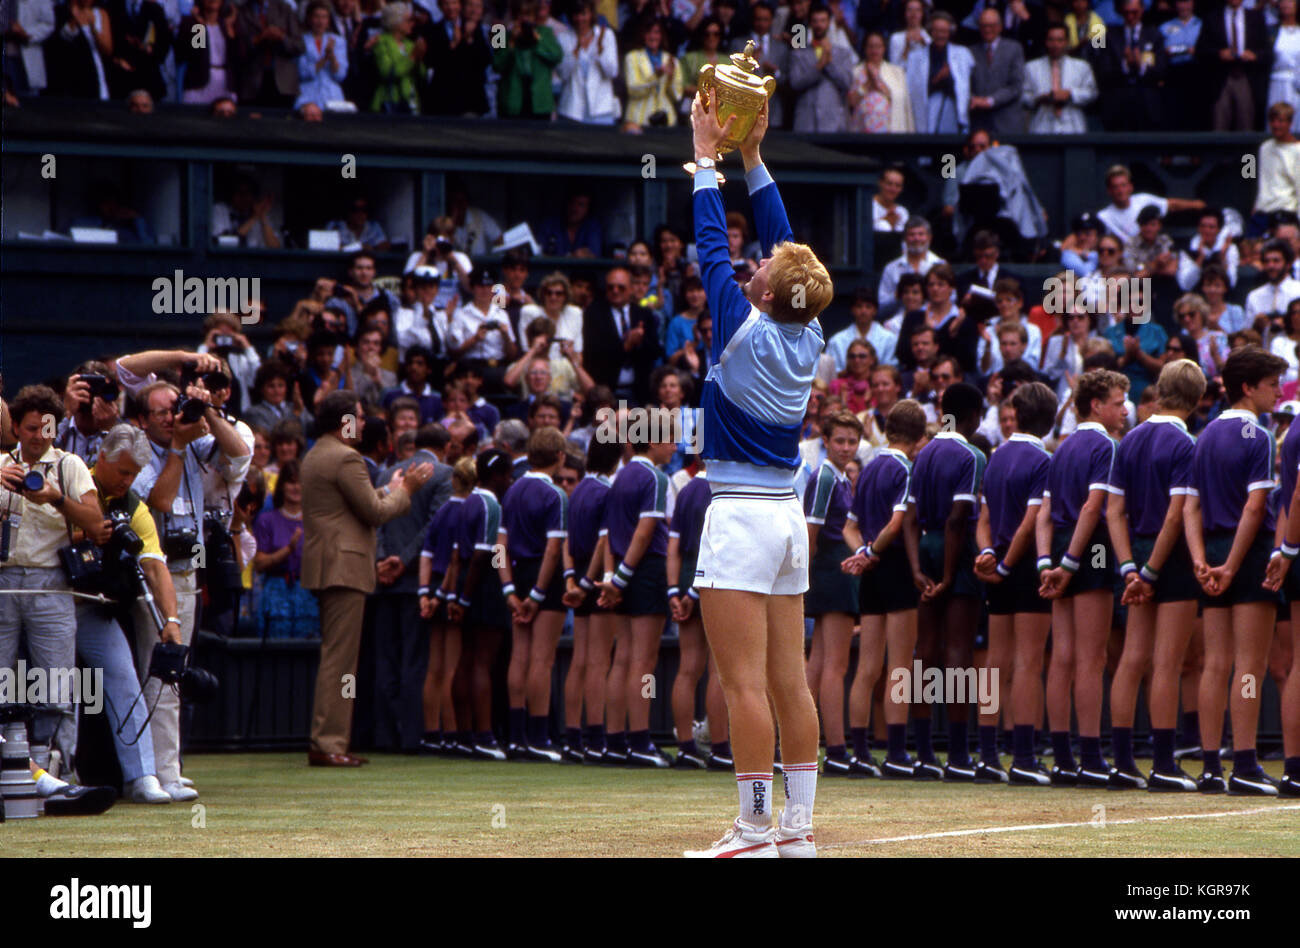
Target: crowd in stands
[{"x": 1037, "y": 66}]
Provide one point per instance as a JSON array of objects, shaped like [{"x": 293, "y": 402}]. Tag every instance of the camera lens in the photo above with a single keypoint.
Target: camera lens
[{"x": 33, "y": 481}]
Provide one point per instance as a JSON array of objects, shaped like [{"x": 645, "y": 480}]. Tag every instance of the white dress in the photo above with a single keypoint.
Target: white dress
[{"x": 1284, "y": 82}]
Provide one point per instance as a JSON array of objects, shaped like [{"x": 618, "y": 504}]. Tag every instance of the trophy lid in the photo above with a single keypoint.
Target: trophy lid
[
  {"x": 745, "y": 61},
  {"x": 742, "y": 72}
]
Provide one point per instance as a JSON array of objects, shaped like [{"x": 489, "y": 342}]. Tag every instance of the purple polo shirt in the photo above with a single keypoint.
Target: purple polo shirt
[
  {"x": 640, "y": 490},
  {"x": 1014, "y": 482},
  {"x": 440, "y": 540},
  {"x": 1290, "y": 465},
  {"x": 1081, "y": 464},
  {"x": 1154, "y": 462},
  {"x": 882, "y": 489},
  {"x": 480, "y": 521},
  {"x": 273, "y": 531},
  {"x": 947, "y": 470},
  {"x": 587, "y": 516},
  {"x": 688, "y": 515},
  {"x": 1234, "y": 456},
  {"x": 534, "y": 510},
  {"x": 826, "y": 502}
]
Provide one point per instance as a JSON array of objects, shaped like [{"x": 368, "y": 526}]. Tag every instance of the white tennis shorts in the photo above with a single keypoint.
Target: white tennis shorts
[{"x": 754, "y": 539}]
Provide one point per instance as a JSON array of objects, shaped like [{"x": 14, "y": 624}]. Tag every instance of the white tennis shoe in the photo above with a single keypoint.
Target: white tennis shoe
[
  {"x": 741, "y": 841},
  {"x": 795, "y": 842}
]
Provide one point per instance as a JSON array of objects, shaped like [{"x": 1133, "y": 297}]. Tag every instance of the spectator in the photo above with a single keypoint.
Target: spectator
[
  {"x": 1182, "y": 92},
  {"x": 361, "y": 289},
  {"x": 671, "y": 267},
  {"x": 1229, "y": 317},
  {"x": 1236, "y": 54},
  {"x": 864, "y": 328},
  {"x": 285, "y": 609},
  {"x": 1138, "y": 341},
  {"x": 987, "y": 271},
  {"x": 1285, "y": 341},
  {"x": 247, "y": 216},
  {"x": 514, "y": 274},
  {"x": 525, "y": 64},
  {"x": 1027, "y": 341},
  {"x": 358, "y": 227},
  {"x": 1150, "y": 252},
  {"x": 322, "y": 67},
  {"x": 223, "y": 107},
  {"x": 1132, "y": 65},
  {"x": 955, "y": 333},
  {"x": 1271, "y": 299},
  {"x": 673, "y": 390},
  {"x": 268, "y": 42},
  {"x": 511, "y": 437},
  {"x": 1211, "y": 244},
  {"x": 450, "y": 266},
  {"x": 938, "y": 80},
  {"x": 275, "y": 395},
  {"x": 853, "y": 383},
  {"x": 139, "y": 102},
  {"x": 476, "y": 232},
  {"x": 878, "y": 102},
  {"x": 1284, "y": 81},
  {"x": 912, "y": 36},
  {"x": 1121, "y": 216},
  {"x": 397, "y": 60},
  {"x": 1079, "y": 248},
  {"x": 588, "y": 70},
  {"x": 208, "y": 75},
  {"x": 112, "y": 213},
  {"x": 29, "y": 24},
  {"x": 705, "y": 48},
  {"x": 996, "y": 78},
  {"x": 1191, "y": 315},
  {"x": 480, "y": 330},
  {"x": 772, "y": 55},
  {"x": 820, "y": 75},
  {"x": 620, "y": 340},
  {"x": 654, "y": 80},
  {"x": 563, "y": 375},
  {"x": 142, "y": 39},
  {"x": 578, "y": 234},
  {"x": 681, "y": 330},
  {"x": 368, "y": 378},
  {"x": 417, "y": 368},
  {"x": 886, "y": 213},
  {"x": 557, "y": 306},
  {"x": 916, "y": 258},
  {"x": 1278, "y": 168},
  {"x": 1064, "y": 354},
  {"x": 460, "y": 56},
  {"x": 422, "y": 323},
  {"x": 1084, "y": 26},
  {"x": 79, "y": 55},
  {"x": 1058, "y": 88}
]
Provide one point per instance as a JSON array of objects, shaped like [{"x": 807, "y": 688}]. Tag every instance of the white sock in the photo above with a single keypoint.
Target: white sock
[
  {"x": 45, "y": 784},
  {"x": 800, "y": 794},
  {"x": 755, "y": 799}
]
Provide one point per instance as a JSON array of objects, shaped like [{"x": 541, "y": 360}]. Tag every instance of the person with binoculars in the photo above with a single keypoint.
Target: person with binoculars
[
  {"x": 44, "y": 494},
  {"x": 187, "y": 436}
]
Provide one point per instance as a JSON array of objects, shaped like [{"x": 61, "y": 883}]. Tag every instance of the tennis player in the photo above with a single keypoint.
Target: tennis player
[{"x": 753, "y": 563}]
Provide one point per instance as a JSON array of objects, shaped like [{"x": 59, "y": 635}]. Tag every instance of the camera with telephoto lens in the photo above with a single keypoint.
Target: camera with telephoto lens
[
  {"x": 192, "y": 409},
  {"x": 170, "y": 664},
  {"x": 111, "y": 569},
  {"x": 443, "y": 245}
]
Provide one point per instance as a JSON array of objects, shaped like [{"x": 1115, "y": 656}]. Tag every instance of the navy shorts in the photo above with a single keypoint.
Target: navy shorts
[
  {"x": 964, "y": 582},
  {"x": 524, "y": 573},
  {"x": 1246, "y": 585},
  {"x": 1177, "y": 582},
  {"x": 1089, "y": 577},
  {"x": 646, "y": 593},
  {"x": 888, "y": 587},
  {"x": 1017, "y": 592}
]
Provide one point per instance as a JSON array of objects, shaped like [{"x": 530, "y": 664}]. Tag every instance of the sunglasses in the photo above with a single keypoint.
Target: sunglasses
[
  {"x": 1108, "y": 250},
  {"x": 859, "y": 355}
]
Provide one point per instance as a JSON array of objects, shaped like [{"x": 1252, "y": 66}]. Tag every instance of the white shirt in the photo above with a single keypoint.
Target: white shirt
[
  {"x": 1239, "y": 15},
  {"x": 1123, "y": 223},
  {"x": 1189, "y": 274},
  {"x": 568, "y": 326},
  {"x": 1271, "y": 298},
  {"x": 878, "y": 212},
  {"x": 894, "y": 270},
  {"x": 411, "y": 326},
  {"x": 466, "y": 322},
  {"x": 1279, "y": 177}
]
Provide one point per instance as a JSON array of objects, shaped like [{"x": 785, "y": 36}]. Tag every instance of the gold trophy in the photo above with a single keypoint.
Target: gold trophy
[{"x": 739, "y": 91}]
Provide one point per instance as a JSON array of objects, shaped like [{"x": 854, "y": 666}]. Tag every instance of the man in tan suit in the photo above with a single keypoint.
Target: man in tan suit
[{"x": 340, "y": 511}]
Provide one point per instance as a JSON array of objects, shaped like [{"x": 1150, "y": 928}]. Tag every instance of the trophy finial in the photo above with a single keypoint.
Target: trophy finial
[{"x": 746, "y": 60}]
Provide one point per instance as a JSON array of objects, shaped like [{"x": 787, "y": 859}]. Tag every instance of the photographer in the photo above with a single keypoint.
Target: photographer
[
  {"x": 89, "y": 410},
  {"x": 480, "y": 330},
  {"x": 186, "y": 435},
  {"x": 224, "y": 339},
  {"x": 44, "y": 493},
  {"x": 131, "y": 539}
]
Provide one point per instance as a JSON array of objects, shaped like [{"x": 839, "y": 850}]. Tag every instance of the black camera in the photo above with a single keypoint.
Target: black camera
[
  {"x": 180, "y": 544},
  {"x": 111, "y": 569},
  {"x": 443, "y": 245},
  {"x": 170, "y": 665},
  {"x": 223, "y": 341},
  {"x": 224, "y": 574},
  {"x": 101, "y": 386},
  {"x": 33, "y": 480}
]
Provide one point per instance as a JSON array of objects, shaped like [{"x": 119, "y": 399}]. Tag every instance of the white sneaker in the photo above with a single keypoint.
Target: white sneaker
[
  {"x": 180, "y": 793},
  {"x": 742, "y": 841},
  {"x": 186, "y": 782},
  {"x": 147, "y": 789},
  {"x": 795, "y": 842}
]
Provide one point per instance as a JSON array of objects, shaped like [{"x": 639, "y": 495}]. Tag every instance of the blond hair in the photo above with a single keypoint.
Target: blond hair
[
  {"x": 1180, "y": 385},
  {"x": 795, "y": 276},
  {"x": 464, "y": 475}
]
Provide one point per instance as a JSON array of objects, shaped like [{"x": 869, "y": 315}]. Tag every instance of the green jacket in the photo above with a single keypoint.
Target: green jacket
[
  {"x": 397, "y": 70},
  {"x": 527, "y": 72}
]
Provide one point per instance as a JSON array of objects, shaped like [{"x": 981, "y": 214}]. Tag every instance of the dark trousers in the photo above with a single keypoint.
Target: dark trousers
[{"x": 401, "y": 661}]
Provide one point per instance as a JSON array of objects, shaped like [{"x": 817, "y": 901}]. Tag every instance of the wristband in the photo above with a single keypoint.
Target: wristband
[
  {"x": 537, "y": 595},
  {"x": 422, "y": 591},
  {"x": 1290, "y": 552},
  {"x": 1044, "y": 563},
  {"x": 989, "y": 551},
  {"x": 1003, "y": 569},
  {"x": 622, "y": 576},
  {"x": 586, "y": 583},
  {"x": 673, "y": 591},
  {"x": 442, "y": 594},
  {"x": 508, "y": 589},
  {"x": 861, "y": 551},
  {"x": 1148, "y": 574},
  {"x": 1128, "y": 566},
  {"x": 608, "y": 578},
  {"x": 1069, "y": 563},
  {"x": 569, "y": 574},
  {"x": 171, "y": 619},
  {"x": 464, "y": 603},
  {"x": 869, "y": 552},
  {"x": 693, "y": 593}
]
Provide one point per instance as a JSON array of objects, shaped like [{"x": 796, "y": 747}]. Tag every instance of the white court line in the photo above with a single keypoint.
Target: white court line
[{"x": 1030, "y": 827}]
